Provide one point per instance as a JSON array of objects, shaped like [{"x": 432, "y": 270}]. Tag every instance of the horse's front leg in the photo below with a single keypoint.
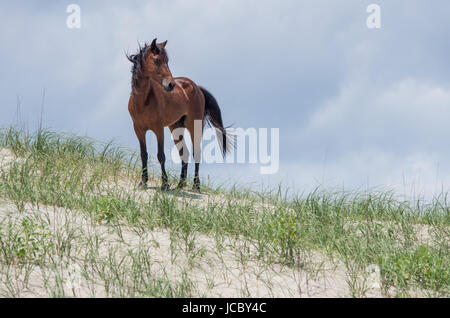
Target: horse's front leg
[
  {"x": 144, "y": 157},
  {"x": 162, "y": 158}
]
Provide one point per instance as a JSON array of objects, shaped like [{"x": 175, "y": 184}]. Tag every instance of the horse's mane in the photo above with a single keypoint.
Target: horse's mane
[{"x": 138, "y": 60}]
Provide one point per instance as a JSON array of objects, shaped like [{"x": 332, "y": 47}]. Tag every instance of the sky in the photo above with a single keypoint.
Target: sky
[{"x": 356, "y": 108}]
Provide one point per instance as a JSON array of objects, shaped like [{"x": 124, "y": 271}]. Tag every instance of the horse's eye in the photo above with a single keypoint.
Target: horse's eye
[{"x": 157, "y": 61}]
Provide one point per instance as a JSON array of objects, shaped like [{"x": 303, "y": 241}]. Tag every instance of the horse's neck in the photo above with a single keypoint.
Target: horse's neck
[{"x": 141, "y": 91}]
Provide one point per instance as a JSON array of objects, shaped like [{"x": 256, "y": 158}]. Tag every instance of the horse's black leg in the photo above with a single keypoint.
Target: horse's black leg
[
  {"x": 197, "y": 159},
  {"x": 144, "y": 157},
  {"x": 184, "y": 155},
  {"x": 183, "y": 176},
  {"x": 196, "y": 186},
  {"x": 162, "y": 161}
]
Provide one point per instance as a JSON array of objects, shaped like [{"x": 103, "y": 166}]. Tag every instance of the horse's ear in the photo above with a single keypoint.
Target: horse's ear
[
  {"x": 154, "y": 47},
  {"x": 163, "y": 44}
]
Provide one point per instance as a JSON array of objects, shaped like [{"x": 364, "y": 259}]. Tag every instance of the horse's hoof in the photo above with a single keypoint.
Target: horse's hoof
[
  {"x": 196, "y": 186},
  {"x": 165, "y": 187},
  {"x": 142, "y": 186},
  {"x": 181, "y": 185}
]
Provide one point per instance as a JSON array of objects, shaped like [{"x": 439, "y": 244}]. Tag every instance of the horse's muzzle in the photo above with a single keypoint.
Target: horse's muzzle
[{"x": 168, "y": 87}]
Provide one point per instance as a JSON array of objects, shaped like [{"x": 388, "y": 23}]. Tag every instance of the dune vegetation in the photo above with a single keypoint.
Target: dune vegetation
[{"x": 74, "y": 224}]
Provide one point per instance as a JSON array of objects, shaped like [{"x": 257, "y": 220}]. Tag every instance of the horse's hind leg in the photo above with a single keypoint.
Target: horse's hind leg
[
  {"x": 162, "y": 158},
  {"x": 195, "y": 128},
  {"x": 144, "y": 156},
  {"x": 178, "y": 130}
]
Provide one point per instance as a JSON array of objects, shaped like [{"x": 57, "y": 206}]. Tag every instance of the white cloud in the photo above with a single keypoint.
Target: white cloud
[
  {"x": 411, "y": 111},
  {"x": 392, "y": 136}
]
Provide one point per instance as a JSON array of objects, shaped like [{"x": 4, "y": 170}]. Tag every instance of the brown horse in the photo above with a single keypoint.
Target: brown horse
[{"x": 159, "y": 100}]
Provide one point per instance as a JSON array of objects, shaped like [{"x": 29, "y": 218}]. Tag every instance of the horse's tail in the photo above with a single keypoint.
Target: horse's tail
[{"x": 213, "y": 116}]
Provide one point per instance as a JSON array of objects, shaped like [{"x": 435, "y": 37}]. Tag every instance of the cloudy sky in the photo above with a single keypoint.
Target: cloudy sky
[{"x": 357, "y": 108}]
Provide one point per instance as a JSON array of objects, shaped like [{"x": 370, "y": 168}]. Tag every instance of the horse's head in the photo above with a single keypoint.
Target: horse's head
[{"x": 156, "y": 65}]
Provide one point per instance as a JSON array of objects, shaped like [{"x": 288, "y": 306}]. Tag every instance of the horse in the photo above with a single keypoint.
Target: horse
[{"x": 159, "y": 100}]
